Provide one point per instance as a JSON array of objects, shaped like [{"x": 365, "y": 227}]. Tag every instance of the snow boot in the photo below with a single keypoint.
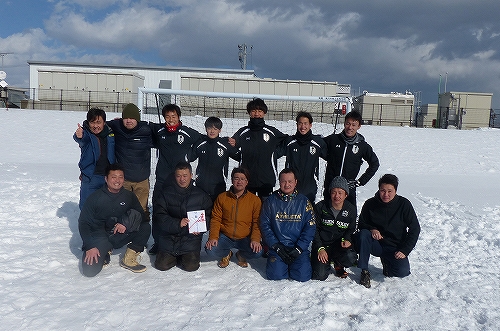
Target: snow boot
[
  {"x": 242, "y": 262},
  {"x": 129, "y": 261},
  {"x": 224, "y": 262}
]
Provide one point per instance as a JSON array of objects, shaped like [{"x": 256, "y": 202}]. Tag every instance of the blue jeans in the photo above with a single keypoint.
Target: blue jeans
[
  {"x": 299, "y": 270},
  {"x": 225, "y": 244},
  {"x": 367, "y": 246},
  {"x": 88, "y": 186}
]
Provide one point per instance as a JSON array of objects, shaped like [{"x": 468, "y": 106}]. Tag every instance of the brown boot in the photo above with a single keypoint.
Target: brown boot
[
  {"x": 224, "y": 262},
  {"x": 129, "y": 261},
  {"x": 242, "y": 262}
]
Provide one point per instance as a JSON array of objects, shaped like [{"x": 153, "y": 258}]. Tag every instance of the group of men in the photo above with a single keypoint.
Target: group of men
[{"x": 249, "y": 217}]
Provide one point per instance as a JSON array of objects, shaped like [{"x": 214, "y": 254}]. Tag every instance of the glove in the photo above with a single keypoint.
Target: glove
[
  {"x": 281, "y": 250},
  {"x": 353, "y": 184},
  {"x": 294, "y": 253}
]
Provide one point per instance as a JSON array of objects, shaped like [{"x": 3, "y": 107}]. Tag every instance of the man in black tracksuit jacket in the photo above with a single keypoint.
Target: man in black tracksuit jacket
[
  {"x": 302, "y": 151},
  {"x": 258, "y": 143},
  {"x": 173, "y": 141},
  {"x": 345, "y": 154},
  {"x": 175, "y": 243},
  {"x": 213, "y": 153}
]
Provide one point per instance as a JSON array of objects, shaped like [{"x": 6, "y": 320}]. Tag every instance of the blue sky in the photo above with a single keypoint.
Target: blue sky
[{"x": 378, "y": 46}]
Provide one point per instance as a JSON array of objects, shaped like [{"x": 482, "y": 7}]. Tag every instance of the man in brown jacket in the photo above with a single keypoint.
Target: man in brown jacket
[{"x": 235, "y": 223}]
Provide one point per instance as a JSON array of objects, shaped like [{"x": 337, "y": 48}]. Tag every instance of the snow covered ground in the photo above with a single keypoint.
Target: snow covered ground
[{"x": 451, "y": 177}]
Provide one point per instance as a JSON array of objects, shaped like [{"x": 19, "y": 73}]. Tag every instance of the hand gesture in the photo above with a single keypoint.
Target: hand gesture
[{"x": 79, "y": 132}]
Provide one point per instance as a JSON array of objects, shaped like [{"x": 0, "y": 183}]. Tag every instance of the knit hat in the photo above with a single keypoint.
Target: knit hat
[
  {"x": 131, "y": 111},
  {"x": 339, "y": 182}
]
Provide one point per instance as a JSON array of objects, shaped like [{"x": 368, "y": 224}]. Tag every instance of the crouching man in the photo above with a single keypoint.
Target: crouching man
[
  {"x": 288, "y": 225},
  {"x": 176, "y": 243},
  {"x": 388, "y": 228},
  {"x": 111, "y": 218}
]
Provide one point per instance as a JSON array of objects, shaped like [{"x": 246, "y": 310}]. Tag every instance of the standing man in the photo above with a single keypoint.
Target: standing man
[
  {"x": 302, "y": 151},
  {"x": 335, "y": 226},
  {"x": 258, "y": 143},
  {"x": 345, "y": 154},
  {"x": 97, "y": 144},
  {"x": 173, "y": 141},
  {"x": 235, "y": 223},
  {"x": 213, "y": 153},
  {"x": 133, "y": 143},
  {"x": 111, "y": 218},
  {"x": 288, "y": 225},
  {"x": 388, "y": 228},
  {"x": 176, "y": 245}
]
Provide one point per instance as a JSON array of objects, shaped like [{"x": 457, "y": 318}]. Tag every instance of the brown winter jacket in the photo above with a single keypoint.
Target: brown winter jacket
[{"x": 236, "y": 218}]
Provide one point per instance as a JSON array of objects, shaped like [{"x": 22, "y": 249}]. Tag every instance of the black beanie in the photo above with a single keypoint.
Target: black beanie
[{"x": 131, "y": 111}]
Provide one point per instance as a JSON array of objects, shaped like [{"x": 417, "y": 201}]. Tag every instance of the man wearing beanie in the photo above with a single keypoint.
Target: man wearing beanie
[
  {"x": 133, "y": 143},
  {"x": 335, "y": 226},
  {"x": 302, "y": 151}
]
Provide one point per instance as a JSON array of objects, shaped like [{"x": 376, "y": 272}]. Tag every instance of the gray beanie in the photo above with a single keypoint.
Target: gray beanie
[
  {"x": 339, "y": 182},
  {"x": 131, "y": 111}
]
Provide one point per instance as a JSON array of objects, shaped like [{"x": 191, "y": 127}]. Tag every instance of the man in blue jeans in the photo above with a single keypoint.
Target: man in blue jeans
[{"x": 388, "y": 228}]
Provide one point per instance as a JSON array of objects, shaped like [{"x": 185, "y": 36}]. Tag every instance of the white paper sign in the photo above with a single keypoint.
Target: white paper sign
[{"x": 197, "y": 221}]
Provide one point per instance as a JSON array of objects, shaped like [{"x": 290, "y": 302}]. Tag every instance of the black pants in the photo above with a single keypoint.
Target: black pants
[
  {"x": 344, "y": 257},
  {"x": 136, "y": 241}
]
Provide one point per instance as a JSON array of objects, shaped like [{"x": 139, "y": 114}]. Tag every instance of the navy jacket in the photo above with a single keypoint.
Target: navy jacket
[
  {"x": 396, "y": 221},
  {"x": 288, "y": 219},
  {"x": 91, "y": 149},
  {"x": 133, "y": 149}
]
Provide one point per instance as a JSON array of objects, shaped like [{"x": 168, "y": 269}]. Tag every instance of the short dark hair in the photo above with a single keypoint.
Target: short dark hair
[
  {"x": 113, "y": 167},
  {"x": 288, "y": 171},
  {"x": 93, "y": 113},
  {"x": 183, "y": 165},
  {"x": 355, "y": 116},
  {"x": 304, "y": 114},
  {"x": 256, "y": 103},
  {"x": 213, "y": 122},
  {"x": 389, "y": 179},
  {"x": 240, "y": 170},
  {"x": 171, "y": 107}
]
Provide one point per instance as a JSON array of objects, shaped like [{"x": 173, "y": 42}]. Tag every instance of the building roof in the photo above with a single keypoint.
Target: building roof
[{"x": 142, "y": 67}]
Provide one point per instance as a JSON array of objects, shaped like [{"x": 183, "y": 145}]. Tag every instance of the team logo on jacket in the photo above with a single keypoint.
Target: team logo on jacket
[
  {"x": 355, "y": 149},
  {"x": 180, "y": 139},
  {"x": 345, "y": 213},
  {"x": 220, "y": 152},
  {"x": 266, "y": 137},
  {"x": 312, "y": 150}
]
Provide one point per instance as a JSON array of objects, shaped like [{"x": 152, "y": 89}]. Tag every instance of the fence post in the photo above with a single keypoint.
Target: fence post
[{"x": 61, "y": 101}]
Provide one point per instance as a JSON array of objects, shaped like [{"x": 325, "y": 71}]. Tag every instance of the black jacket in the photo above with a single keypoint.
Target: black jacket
[
  {"x": 302, "y": 155},
  {"x": 258, "y": 143},
  {"x": 173, "y": 147},
  {"x": 213, "y": 161},
  {"x": 396, "y": 221},
  {"x": 100, "y": 209},
  {"x": 345, "y": 158},
  {"x": 133, "y": 149},
  {"x": 330, "y": 229},
  {"x": 170, "y": 207}
]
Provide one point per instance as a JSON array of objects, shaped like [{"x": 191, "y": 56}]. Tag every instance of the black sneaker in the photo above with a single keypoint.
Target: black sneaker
[
  {"x": 365, "y": 279},
  {"x": 154, "y": 249}
]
